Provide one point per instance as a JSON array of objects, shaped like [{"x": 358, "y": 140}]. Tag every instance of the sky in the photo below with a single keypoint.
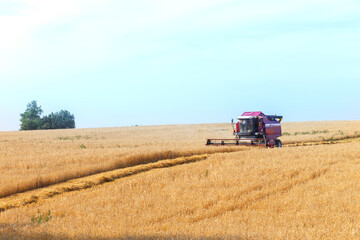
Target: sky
[{"x": 116, "y": 63}]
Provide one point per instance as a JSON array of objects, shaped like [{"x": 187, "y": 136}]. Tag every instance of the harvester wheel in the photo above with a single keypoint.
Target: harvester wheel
[{"x": 278, "y": 143}]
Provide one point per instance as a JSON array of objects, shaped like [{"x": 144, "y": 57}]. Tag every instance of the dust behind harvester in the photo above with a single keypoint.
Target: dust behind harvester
[{"x": 253, "y": 128}]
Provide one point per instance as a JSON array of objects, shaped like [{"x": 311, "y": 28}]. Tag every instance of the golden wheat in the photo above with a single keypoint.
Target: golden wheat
[
  {"x": 254, "y": 194},
  {"x": 35, "y": 159},
  {"x": 30, "y": 160},
  {"x": 308, "y": 192}
]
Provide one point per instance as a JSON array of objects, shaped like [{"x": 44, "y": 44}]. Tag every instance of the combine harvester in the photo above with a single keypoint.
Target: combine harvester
[{"x": 253, "y": 129}]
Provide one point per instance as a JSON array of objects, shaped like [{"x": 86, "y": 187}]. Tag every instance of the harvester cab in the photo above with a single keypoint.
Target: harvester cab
[{"x": 255, "y": 129}]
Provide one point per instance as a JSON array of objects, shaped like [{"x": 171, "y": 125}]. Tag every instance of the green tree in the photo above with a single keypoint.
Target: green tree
[
  {"x": 30, "y": 119},
  {"x": 59, "y": 120}
]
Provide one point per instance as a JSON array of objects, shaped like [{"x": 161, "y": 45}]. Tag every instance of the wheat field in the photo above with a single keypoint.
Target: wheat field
[
  {"x": 31, "y": 159},
  {"x": 162, "y": 182}
]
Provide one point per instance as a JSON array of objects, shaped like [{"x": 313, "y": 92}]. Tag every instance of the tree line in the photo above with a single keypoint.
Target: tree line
[{"x": 31, "y": 119}]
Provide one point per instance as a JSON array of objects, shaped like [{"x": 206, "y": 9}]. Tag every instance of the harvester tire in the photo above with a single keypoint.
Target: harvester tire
[{"x": 278, "y": 143}]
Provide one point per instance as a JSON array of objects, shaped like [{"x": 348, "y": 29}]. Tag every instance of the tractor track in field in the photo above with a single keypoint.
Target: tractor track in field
[
  {"x": 36, "y": 195},
  {"x": 242, "y": 199},
  {"x": 295, "y": 180},
  {"x": 211, "y": 210},
  {"x": 240, "y": 204},
  {"x": 247, "y": 197}
]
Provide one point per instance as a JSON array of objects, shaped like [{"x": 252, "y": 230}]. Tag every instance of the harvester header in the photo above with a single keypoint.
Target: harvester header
[{"x": 253, "y": 128}]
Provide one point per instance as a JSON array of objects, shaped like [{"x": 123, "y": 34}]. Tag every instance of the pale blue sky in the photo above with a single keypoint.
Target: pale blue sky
[{"x": 120, "y": 63}]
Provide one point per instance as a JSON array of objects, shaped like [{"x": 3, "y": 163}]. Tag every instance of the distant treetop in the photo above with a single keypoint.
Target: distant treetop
[{"x": 31, "y": 119}]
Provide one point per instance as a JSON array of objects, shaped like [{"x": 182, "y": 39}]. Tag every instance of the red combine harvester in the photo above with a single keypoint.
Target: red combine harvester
[{"x": 254, "y": 129}]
